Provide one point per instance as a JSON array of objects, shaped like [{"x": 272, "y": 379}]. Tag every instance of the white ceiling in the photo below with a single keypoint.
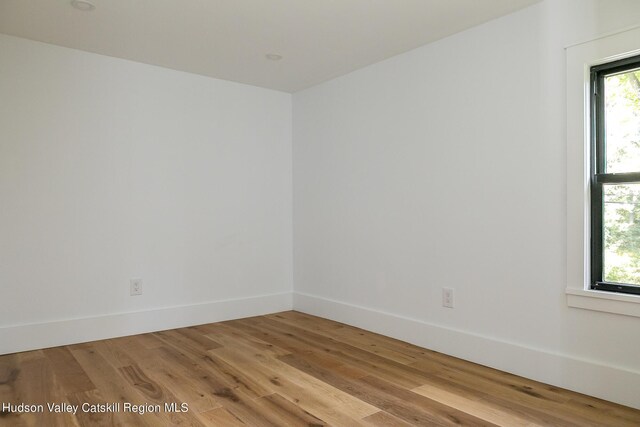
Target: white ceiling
[{"x": 228, "y": 39}]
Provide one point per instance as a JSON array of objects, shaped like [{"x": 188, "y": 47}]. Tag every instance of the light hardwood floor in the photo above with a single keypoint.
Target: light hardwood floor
[{"x": 285, "y": 369}]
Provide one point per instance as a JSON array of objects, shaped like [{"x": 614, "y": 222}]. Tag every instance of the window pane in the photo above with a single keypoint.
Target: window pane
[
  {"x": 622, "y": 233},
  {"x": 622, "y": 122}
]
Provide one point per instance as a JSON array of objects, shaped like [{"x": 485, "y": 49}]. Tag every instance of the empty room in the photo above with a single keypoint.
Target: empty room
[{"x": 319, "y": 212}]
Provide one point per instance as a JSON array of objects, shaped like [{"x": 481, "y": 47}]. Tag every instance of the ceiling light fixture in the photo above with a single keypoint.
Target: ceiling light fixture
[
  {"x": 83, "y": 5},
  {"x": 273, "y": 57}
]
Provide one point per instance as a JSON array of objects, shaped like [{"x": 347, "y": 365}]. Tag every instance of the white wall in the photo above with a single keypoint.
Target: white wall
[
  {"x": 111, "y": 169},
  {"x": 445, "y": 167}
]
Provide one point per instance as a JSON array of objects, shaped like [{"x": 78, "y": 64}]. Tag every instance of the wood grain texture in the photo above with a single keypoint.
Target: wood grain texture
[{"x": 284, "y": 369}]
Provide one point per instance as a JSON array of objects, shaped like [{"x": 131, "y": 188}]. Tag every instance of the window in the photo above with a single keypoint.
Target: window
[
  {"x": 615, "y": 176},
  {"x": 585, "y": 266}
]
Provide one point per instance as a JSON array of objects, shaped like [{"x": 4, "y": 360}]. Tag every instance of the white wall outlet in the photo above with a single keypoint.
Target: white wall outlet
[
  {"x": 135, "y": 286},
  {"x": 447, "y": 297}
]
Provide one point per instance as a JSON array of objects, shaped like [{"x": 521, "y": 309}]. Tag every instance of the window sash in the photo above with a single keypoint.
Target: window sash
[
  {"x": 617, "y": 178},
  {"x": 599, "y": 177}
]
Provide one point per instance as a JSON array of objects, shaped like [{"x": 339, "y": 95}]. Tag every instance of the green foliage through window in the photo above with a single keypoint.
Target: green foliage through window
[{"x": 621, "y": 213}]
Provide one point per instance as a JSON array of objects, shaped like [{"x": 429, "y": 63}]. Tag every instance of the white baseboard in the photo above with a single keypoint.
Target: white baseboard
[
  {"x": 52, "y": 334},
  {"x": 589, "y": 377}
]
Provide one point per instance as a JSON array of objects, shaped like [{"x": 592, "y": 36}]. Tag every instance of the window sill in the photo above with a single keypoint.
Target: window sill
[{"x": 608, "y": 302}]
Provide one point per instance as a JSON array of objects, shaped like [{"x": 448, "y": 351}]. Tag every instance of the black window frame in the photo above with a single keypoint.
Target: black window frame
[{"x": 598, "y": 175}]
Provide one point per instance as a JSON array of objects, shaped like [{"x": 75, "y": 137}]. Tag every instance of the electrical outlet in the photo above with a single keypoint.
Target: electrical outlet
[
  {"x": 135, "y": 286},
  {"x": 447, "y": 297}
]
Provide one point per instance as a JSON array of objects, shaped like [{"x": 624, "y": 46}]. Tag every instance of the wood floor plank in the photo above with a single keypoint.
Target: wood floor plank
[
  {"x": 89, "y": 418},
  {"x": 348, "y": 333},
  {"x": 528, "y": 399},
  {"x": 156, "y": 385},
  {"x": 272, "y": 362},
  {"x": 399, "y": 402},
  {"x": 114, "y": 388},
  {"x": 148, "y": 341},
  {"x": 384, "y": 419},
  {"x": 68, "y": 371},
  {"x": 9, "y": 372},
  {"x": 221, "y": 417},
  {"x": 224, "y": 334},
  {"x": 186, "y": 389},
  {"x": 50, "y": 391},
  {"x": 202, "y": 340},
  {"x": 117, "y": 351},
  {"x": 186, "y": 341},
  {"x": 249, "y": 412},
  {"x": 439, "y": 363},
  {"x": 321, "y": 400},
  {"x": 284, "y": 369},
  {"x": 145, "y": 385},
  {"x": 35, "y": 384},
  {"x": 487, "y": 395},
  {"x": 581, "y": 406},
  {"x": 483, "y": 410},
  {"x": 282, "y": 346},
  {"x": 299, "y": 340},
  {"x": 155, "y": 393},
  {"x": 361, "y": 339},
  {"x": 202, "y": 382},
  {"x": 286, "y": 413}
]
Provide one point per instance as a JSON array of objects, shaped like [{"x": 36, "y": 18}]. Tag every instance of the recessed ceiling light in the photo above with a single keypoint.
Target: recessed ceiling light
[
  {"x": 83, "y": 5},
  {"x": 273, "y": 57}
]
